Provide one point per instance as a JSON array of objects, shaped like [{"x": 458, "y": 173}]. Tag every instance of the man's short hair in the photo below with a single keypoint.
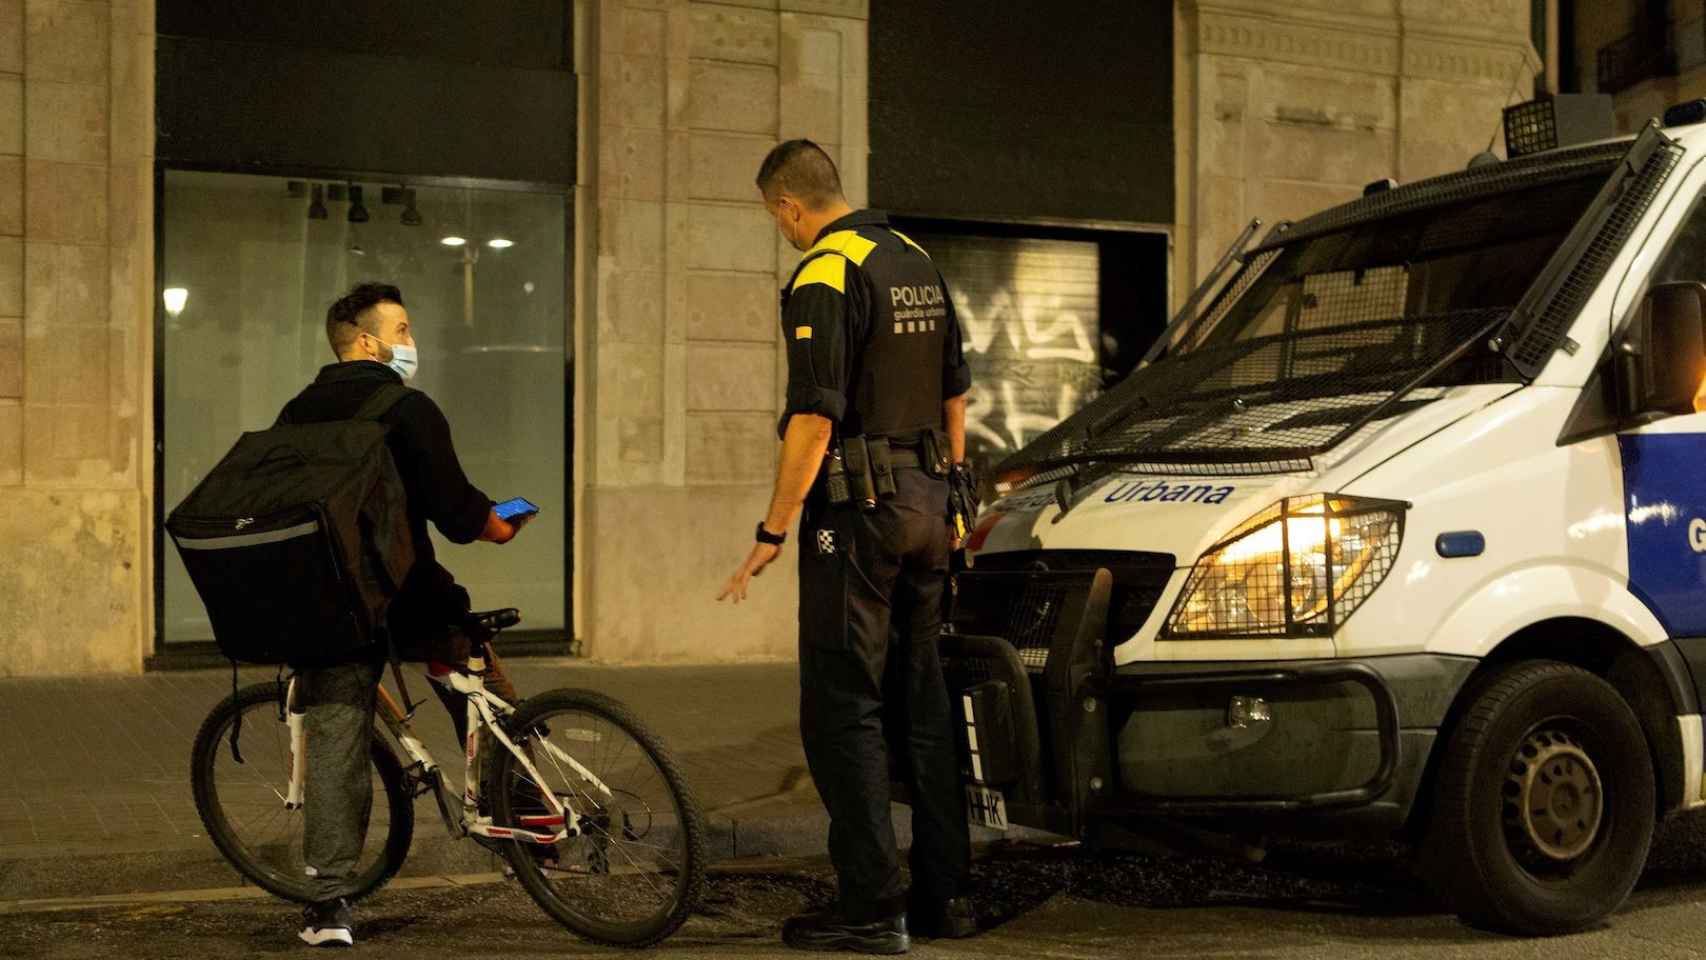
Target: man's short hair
[
  {"x": 801, "y": 169},
  {"x": 352, "y": 315}
]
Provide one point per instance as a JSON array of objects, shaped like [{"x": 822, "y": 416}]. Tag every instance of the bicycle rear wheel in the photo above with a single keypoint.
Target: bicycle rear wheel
[
  {"x": 638, "y": 869},
  {"x": 242, "y": 804}
]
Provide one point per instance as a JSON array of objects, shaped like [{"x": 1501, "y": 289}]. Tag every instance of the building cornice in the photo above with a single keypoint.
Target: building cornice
[
  {"x": 1394, "y": 44},
  {"x": 1462, "y": 61},
  {"x": 1235, "y": 33}
]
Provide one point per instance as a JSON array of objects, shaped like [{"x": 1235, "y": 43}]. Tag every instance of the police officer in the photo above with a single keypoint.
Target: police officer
[{"x": 875, "y": 415}]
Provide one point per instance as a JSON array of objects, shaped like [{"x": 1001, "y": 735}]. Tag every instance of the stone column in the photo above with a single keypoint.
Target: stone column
[
  {"x": 1284, "y": 110},
  {"x": 76, "y": 243},
  {"x": 684, "y": 360}
]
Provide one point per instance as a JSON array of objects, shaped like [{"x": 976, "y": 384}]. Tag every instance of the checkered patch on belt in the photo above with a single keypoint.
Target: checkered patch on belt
[{"x": 825, "y": 543}]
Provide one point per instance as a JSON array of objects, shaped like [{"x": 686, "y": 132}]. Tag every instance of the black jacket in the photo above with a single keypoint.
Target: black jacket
[{"x": 426, "y": 458}]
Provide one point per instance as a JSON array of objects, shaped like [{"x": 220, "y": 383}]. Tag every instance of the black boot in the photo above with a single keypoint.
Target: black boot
[
  {"x": 828, "y": 930},
  {"x": 942, "y": 919}
]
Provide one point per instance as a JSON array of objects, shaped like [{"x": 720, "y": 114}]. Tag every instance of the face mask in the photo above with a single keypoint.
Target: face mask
[{"x": 404, "y": 360}]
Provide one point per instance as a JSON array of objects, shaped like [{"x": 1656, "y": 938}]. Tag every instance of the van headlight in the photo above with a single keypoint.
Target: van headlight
[{"x": 1300, "y": 568}]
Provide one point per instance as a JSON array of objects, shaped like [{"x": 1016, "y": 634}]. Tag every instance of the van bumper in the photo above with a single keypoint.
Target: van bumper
[
  {"x": 1309, "y": 747},
  {"x": 1344, "y": 743}
]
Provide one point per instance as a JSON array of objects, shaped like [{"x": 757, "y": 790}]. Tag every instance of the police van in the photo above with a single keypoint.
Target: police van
[{"x": 1398, "y": 533}]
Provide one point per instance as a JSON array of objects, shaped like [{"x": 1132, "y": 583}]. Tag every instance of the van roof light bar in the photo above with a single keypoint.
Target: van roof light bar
[{"x": 1686, "y": 113}]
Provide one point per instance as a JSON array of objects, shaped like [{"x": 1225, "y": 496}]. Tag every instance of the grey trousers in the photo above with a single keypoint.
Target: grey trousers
[{"x": 339, "y": 790}]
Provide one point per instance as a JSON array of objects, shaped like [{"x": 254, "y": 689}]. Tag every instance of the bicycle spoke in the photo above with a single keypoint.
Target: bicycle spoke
[{"x": 250, "y": 798}]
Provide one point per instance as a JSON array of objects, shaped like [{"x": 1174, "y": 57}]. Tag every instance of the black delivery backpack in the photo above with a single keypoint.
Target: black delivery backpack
[{"x": 299, "y": 538}]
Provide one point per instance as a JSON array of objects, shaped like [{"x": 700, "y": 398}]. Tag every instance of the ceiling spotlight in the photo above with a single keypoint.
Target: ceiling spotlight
[
  {"x": 317, "y": 205},
  {"x": 357, "y": 212},
  {"x": 411, "y": 216},
  {"x": 175, "y": 298},
  {"x": 499, "y": 243},
  {"x": 453, "y": 241}
]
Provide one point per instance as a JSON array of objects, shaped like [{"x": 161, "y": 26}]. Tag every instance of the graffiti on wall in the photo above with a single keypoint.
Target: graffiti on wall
[
  {"x": 1033, "y": 363},
  {"x": 1028, "y": 318}
]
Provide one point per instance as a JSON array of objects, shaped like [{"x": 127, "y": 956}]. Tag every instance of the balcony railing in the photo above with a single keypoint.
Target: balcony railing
[{"x": 1674, "y": 48}]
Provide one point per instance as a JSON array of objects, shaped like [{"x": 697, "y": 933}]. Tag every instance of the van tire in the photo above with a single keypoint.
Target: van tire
[{"x": 1544, "y": 803}]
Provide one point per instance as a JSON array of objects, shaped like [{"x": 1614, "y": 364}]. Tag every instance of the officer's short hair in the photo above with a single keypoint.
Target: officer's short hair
[
  {"x": 800, "y": 168},
  {"x": 352, "y": 315}
]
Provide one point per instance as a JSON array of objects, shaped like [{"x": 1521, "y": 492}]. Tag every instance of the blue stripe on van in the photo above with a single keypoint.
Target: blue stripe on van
[{"x": 1664, "y": 492}]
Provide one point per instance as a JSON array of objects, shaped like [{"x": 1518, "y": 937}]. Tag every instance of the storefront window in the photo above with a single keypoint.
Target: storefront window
[{"x": 249, "y": 265}]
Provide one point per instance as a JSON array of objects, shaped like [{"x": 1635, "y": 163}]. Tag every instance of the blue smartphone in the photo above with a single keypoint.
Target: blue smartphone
[{"x": 512, "y": 510}]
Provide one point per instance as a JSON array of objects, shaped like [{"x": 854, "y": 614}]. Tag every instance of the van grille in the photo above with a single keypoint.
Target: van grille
[{"x": 1024, "y": 597}]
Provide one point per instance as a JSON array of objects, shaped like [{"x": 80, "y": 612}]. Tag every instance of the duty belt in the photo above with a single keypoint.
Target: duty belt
[{"x": 861, "y": 469}]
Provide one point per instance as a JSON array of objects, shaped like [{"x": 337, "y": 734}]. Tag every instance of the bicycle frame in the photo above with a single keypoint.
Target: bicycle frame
[{"x": 484, "y": 708}]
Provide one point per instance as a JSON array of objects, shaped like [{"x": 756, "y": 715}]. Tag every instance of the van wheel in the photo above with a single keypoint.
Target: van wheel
[{"x": 1544, "y": 803}]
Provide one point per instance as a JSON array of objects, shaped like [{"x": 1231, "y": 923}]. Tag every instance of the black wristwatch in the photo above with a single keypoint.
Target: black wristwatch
[{"x": 774, "y": 539}]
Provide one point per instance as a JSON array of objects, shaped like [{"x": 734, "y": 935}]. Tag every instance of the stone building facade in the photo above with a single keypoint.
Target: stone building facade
[
  {"x": 682, "y": 374},
  {"x": 1278, "y": 110},
  {"x": 1285, "y": 109},
  {"x": 76, "y": 296}
]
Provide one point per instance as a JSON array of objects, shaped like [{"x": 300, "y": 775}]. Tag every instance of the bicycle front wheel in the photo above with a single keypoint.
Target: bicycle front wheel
[
  {"x": 242, "y": 801},
  {"x": 637, "y": 869}
]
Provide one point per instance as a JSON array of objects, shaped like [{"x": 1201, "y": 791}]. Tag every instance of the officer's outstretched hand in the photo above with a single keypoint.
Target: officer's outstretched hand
[{"x": 756, "y": 561}]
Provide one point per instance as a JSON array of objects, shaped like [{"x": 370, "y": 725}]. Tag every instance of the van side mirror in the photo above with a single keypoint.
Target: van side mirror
[{"x": 1661, "y": 357}]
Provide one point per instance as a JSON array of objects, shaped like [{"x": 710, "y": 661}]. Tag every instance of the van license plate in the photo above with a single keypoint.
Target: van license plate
[{"x": 986, "y": 807}]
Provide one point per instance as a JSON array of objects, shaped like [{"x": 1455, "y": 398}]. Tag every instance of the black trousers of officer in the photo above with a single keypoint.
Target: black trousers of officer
[{"x": 862, "y": 574}]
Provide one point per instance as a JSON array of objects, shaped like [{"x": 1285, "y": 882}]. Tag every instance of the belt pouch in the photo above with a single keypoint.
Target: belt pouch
[
  {"x": 835, "y": 479},
  {"x": 859, "y": 480},
  {"x": 934, "y": 453},
  {"x": 882, "y": 466}
]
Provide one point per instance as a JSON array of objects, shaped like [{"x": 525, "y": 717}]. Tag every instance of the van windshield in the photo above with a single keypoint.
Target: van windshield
[
  {"x": 1401, "y": 276},
  {"x": 1311, "y": 336}
]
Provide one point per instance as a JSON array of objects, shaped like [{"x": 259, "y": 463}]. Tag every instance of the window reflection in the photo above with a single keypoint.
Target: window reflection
[{"x": 260, "y": 258}]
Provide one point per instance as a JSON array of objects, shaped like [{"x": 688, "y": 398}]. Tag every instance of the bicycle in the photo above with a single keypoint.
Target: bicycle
[{"x": 613, "y": 864}]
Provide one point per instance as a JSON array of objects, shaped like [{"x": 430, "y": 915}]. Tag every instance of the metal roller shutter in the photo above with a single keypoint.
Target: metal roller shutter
[{"x": 1028, "y": 311}]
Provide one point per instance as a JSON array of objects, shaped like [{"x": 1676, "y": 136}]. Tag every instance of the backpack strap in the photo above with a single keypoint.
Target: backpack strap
[
  {"x": 375, "y": 406},
  {"x": 381, "y": 401}
]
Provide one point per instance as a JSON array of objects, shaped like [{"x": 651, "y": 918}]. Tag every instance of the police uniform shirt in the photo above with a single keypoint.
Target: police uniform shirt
[{"x": 867, "y": 305}]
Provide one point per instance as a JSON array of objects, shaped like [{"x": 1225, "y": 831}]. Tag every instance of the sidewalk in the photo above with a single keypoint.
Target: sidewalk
[{"x": 94, "y": 773}]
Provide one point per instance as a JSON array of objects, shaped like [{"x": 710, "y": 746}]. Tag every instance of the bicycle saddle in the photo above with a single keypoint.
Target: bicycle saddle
[{"x": 495, "y": 620}]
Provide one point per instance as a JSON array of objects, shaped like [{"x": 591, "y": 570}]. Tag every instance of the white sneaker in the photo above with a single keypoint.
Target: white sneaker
[{"x": 328, "y": 925}]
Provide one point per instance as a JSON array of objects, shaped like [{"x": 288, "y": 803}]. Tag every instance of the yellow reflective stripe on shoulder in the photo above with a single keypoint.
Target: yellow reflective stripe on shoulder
[
  {"x": 847, "y": 243},
  {"x": 829, "y": 269},
  {"x": 858, "y": 248},
  {"x": 909, "y": 242}
]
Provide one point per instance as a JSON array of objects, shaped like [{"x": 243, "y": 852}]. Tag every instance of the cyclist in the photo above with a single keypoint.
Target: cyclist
[{"x": 371, "y": 335}]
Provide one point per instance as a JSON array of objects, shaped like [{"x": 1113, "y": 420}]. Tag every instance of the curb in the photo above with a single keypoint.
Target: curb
[{"x": 778, "y": 831}]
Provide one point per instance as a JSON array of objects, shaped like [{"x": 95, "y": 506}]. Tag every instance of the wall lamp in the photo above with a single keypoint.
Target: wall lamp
[
  {"x": 357, "y": 212},
  {"x": 175, "y": 298}
]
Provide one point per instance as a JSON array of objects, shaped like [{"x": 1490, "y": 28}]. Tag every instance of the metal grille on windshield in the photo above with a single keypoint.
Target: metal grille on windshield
[{"x": 1349, "y": 318}]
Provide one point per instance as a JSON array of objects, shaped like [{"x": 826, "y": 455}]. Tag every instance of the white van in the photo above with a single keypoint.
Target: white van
[{"x": 1402, "y": 534}]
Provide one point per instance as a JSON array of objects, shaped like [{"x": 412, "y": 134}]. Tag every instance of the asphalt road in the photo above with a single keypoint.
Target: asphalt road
[{"x": 1036, "y": 902}]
